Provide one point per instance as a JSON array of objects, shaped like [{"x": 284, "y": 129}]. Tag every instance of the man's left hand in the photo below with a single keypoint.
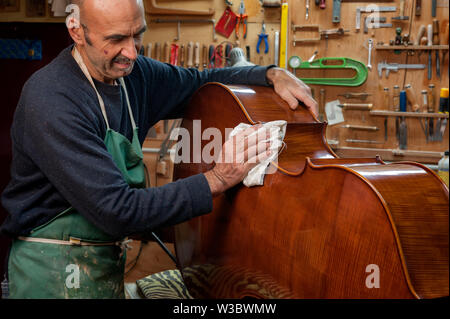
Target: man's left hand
[{"x": 291, "y": 89}]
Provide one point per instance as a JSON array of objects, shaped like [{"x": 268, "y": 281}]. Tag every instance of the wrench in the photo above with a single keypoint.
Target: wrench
[{"x": 369, "y": 63}]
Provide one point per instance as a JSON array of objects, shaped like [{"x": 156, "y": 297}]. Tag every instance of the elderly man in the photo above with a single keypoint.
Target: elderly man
[{"x": 78, "y": 186}]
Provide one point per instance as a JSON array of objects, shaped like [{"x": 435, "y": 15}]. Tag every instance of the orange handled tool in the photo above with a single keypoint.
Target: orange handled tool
[{"x": 241, "y": 18}]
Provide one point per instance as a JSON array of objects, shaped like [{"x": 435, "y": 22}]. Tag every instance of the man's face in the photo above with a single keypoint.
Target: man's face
[{"x": 113, "y": 37}]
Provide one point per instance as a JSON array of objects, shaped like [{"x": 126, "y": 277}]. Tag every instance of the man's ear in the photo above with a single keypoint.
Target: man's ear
[{"x": 73, "y": 23}]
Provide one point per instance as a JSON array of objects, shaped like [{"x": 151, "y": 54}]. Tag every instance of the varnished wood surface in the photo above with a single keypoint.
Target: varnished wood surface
[{"x": 318, "y": 221}]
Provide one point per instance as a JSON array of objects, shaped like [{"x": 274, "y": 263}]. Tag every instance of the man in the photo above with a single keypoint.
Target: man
[{"x": 77, "y": 186}]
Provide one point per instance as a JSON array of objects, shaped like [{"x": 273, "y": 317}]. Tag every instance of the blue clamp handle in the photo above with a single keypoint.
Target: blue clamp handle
[{"x": 262, "y": 36}]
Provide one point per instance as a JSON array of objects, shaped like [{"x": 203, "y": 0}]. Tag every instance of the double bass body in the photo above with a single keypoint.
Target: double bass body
[{"x": 321, "y": 226}]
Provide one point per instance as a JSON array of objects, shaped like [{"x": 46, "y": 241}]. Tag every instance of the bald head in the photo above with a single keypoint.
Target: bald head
[{"x": 110, "y": 36}]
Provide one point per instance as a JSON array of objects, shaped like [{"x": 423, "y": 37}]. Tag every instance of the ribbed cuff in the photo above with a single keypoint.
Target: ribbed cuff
[
  {"x": 200, "y": 194},
  {"x": 259, "y": 73}
]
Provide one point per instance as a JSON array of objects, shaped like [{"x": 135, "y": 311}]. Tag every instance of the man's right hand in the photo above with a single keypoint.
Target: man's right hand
[{"x": 238, "y": 156}]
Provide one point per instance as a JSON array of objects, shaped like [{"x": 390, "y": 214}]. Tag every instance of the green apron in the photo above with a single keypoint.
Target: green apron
[{"x": 69, "y": 257}]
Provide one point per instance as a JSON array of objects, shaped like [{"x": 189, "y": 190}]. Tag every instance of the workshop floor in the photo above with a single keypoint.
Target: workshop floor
[{"x": 151, "y": 260}]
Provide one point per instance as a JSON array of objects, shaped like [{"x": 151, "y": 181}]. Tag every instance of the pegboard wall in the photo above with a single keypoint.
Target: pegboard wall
[{"x": 354, "y": 45}]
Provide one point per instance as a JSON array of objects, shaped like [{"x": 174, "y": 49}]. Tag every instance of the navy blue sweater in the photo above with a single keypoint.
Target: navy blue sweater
[{"x": 60, "y": 159}]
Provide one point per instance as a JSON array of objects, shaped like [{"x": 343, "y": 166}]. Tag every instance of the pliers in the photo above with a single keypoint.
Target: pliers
[
  {"x": 241, "y": 17},
  {"x": 261, "y": 36}
]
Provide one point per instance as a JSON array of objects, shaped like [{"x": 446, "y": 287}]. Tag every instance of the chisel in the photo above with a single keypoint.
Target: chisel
[
  {"x": 403, "y": 129},
  {"x": 197, "y": 55},
  {"x": 436, "y": 42},
  {"x": 430, "y": 43},
  {"x": 190, "y": 54},
  {"x": 356, "y": 106},
  {"x": 205, "y": 56},
  {"x": 410, "y": 96}
]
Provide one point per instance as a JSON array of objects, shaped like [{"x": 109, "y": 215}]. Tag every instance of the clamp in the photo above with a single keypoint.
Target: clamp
[
  {"x": 241, "y": 17},
  {"x": 262, "y": 36}
]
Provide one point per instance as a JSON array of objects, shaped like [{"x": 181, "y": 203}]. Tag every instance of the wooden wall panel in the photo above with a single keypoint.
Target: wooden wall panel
[{"x": 352, "y": 45}]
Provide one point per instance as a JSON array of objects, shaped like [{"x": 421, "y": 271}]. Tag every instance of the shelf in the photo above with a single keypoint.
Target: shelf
[
  {"x": 411, "y": 47},
  {"x": 408, "y": 114}
]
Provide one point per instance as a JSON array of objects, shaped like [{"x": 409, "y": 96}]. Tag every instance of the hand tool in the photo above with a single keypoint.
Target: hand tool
[
  {"x": 294, "y": 63},
  {"x": 411, "y": 98},
  {"x": 396, "y": 66},
  {"x": 312, "y": 58},
  {"x": 228, "y": 2},
  {"x": 263, "y": 36},
  {"x": 387, "y": 100},
  {"x": 370, "y": 9},
  {"x": 149, "y": 50},
  {"x": 197, "y": 54},
  {"x": 322, "y": 105},
  {"x": 446, "y": 39},
  {"x": 184, "y": 21},
  {"x": 247, "y": 51},
  {"x": 361, "y": 127},
  {"x": 369, "y": 63},
  {"x": 425, "y": 108},
  {"x": 218, "y": 56},
  {"x": 166, "y": 57},
  {"x": 430, "y": 43},
  {"x": 356, "y": 106},
  {"x": 322, "y": 4},
  {"x": 401, "y": 15},
  {"x": 307, "y": 9},
  {"x": 330, "y": 64},
  {"x": 396, "y": 107},
  {"x": 228, "y": 49},
  {"x": 276, "y": 48},
  {"x": 157, "y": 51},
  {"x": 443, "y": 108},
  {"x": 174, "y": 54},
  {"x": 190, "y": 54},
  {"x": 284, "y": 35},
  {"x": 362, "y": 141},
  {"x": 226, "y": 23},
  {"x": 152, "y": 8},
  {"x": 359, "y": 96},
  {"x": 317, "y": 2},
  {"x": 431, "y": 108},
  {"x": 436, "y": 42},
  {"x": 418, "y": 8},
  {"x": 420, "y": 34},
  {"x": 241, "y": 18},
  {"x": 271, "y": 3},
  {"x": 182, "y": 55},
  {"x": 403, "y": 129},
  {"x": 376, "y": 22},
  {"x": 315, "y": 28},
  {"x": 211, "y": 56},
  {"x": 205, "y": 56},
  {"x": 433, "y": 8}
]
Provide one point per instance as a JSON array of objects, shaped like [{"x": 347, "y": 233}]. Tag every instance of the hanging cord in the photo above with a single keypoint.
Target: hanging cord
[{"x": 135, "y": 260}]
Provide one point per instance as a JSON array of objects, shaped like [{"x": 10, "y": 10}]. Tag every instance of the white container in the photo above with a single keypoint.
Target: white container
[{"x": 443, "y": 168}]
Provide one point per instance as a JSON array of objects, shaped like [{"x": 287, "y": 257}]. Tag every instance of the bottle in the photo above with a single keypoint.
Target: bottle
[{"x": 443, "y": 168}]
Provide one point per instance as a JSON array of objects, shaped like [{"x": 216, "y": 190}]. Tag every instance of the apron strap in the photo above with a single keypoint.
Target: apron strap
[
  {"x": 78, "y": 242},
  {"x": 83, "y": 67},
  {"x": 133, "y": 123}
]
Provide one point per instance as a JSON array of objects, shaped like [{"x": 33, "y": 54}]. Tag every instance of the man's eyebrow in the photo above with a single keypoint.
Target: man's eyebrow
[{"x": 123, "y": 36}]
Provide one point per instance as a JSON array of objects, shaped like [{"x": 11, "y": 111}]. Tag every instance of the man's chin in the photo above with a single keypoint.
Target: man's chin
[{"x": 121, "y": 72}]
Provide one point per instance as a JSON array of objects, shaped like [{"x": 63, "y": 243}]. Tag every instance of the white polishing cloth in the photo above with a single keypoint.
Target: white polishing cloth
[{"x": 277, "y": 131}]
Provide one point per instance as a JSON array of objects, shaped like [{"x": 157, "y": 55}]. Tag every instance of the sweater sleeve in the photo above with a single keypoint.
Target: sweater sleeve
[{"x": 63, "y": 140}]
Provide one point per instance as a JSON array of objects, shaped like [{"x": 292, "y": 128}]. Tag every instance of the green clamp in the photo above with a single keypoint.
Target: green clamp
[{"x": 343, "y": 63}]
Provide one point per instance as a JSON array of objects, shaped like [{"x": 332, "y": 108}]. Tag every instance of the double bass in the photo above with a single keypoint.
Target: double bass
[{"x": 321, "y": 226}]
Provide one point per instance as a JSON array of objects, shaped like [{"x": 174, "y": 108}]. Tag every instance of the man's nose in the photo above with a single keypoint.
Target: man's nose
[{"x": 129, "y": 51}]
